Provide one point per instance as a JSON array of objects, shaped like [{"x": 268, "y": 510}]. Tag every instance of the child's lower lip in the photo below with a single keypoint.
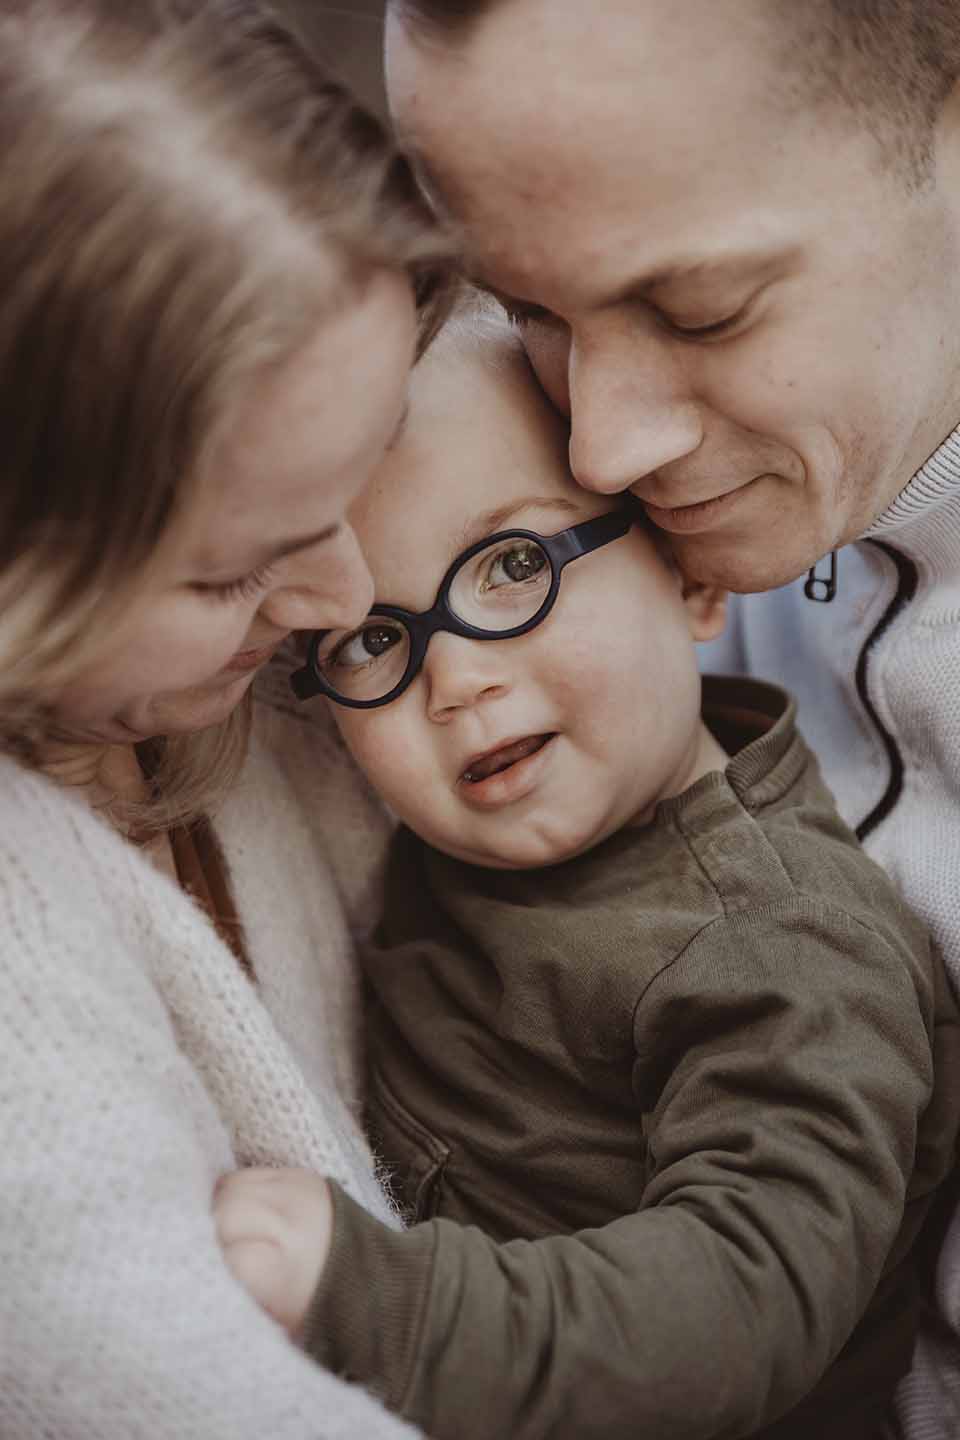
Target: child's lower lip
[{"x": 507, "y": 785}]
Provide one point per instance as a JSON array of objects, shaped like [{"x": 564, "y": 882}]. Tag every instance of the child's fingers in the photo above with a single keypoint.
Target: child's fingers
[
  {"x": 259, "y": 1267},
  {"x": 274, "y": 1227},
  {"x": 242, "y": 1208},
  {"x": 262, "y": 1200}
]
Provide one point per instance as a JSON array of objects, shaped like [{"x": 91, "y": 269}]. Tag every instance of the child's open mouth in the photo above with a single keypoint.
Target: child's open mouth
[{"x": 496, "y": 761}]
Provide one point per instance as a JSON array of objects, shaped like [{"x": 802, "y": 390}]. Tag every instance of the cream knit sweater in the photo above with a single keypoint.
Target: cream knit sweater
[
  {"x": 137, "y": 1063},
  {"x": 910, "y": 676}
]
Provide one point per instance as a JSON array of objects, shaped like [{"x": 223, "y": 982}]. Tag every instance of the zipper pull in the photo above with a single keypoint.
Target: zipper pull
[{"x": 822, "y": 588}]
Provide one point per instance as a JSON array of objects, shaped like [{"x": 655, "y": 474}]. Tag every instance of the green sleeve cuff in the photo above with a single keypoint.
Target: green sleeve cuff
[{"x": 366, "y": 1315}]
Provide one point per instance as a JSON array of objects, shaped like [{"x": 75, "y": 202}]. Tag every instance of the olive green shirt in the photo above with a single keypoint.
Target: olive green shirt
[{"x": 664, "y": 1115}]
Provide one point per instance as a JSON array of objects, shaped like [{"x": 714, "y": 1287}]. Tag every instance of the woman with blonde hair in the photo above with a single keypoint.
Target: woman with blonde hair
[{"x": 211, "y": 260}]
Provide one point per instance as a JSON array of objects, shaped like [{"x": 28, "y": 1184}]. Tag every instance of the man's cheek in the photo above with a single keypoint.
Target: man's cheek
[{"x": 548, "y": 349}]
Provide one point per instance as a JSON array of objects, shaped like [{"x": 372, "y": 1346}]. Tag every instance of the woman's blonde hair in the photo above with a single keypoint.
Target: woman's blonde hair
[{"x": 176, "y": 179}]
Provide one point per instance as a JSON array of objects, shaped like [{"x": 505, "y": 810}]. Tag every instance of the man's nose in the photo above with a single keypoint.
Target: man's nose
[
  {"x": 325, "y": 587},
  {"x": 460, "y": 673},
  {"x": 631, "y": 407}
]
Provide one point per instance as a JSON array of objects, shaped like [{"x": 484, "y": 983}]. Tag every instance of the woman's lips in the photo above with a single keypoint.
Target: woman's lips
[
  {"x": 507, "y": 772},
  {"x": 704, "y": 515},
  {"x": 250, "y": 659}
]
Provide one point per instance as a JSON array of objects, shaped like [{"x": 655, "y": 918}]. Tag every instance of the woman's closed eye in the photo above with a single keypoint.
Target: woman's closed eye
[{"x": 246, "y": 587}]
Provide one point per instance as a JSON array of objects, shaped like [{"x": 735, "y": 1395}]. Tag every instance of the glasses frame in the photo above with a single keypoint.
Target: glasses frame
[{"x": 421, "y": 626}]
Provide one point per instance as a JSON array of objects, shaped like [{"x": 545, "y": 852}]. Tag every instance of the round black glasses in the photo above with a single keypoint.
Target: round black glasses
[{"x": 502, "y": 586}]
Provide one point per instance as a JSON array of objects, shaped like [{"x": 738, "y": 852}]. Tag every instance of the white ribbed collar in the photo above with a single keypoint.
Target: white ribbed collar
[
  {"x": 935, "y": 483},
  {"x": 924, "y": 520}
]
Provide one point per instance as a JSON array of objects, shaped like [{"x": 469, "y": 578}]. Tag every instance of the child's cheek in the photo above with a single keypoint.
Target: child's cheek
[
  {"x": 359, "y": 730},
  {"x": 576, "y": 660}
]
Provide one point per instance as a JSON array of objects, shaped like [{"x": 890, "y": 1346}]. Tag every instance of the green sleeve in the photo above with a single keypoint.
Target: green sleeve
[{"x": 782, "y": 1063}]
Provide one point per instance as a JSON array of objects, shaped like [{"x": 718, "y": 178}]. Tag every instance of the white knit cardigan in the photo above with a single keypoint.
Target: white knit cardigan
[{"x": 137, "y": 1063}]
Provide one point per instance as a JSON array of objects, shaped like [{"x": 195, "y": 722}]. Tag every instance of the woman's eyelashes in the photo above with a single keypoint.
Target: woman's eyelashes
[{"x": 246, "y": 587}]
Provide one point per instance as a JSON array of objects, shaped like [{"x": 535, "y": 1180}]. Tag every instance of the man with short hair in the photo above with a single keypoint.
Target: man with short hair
[{"x": 730, "y": 233}]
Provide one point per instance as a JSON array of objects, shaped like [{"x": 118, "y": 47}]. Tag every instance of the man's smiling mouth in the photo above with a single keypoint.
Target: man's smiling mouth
[
  {"x": 492, "y": 762},
  {"x": 699, "y": 514}
]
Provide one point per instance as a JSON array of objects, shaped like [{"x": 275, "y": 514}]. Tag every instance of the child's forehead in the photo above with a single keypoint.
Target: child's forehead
[{"x": 480, "y": 450}]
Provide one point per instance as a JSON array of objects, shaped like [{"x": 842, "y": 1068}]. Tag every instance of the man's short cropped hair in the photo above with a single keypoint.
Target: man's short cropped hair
[{"x": 891, "y": 63}]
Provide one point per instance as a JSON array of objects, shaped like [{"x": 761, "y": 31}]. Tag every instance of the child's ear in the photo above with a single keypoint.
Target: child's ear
[{"x": 706, "y": 609}]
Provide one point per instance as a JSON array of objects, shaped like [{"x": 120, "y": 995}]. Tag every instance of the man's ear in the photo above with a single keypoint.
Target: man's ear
[{"x": 706, "y": 609}]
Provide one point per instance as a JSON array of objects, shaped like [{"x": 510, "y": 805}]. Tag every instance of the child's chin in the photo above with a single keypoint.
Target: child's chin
[{"x": 532, "y": 852}]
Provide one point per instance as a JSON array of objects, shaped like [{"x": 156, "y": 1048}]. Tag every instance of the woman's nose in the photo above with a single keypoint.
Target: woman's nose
[
  {"x": 325, "y": 587},
  {"x": 461, "y": 672},
  {"x": 631, "y": 409}
]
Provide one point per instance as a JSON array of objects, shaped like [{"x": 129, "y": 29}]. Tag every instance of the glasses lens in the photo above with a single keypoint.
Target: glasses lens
[
  {"x": 365, "y": 664},
  {"x": 502, "y": 586}
]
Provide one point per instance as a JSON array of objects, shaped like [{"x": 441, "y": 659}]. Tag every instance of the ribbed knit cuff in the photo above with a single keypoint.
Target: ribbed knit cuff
[{"x": 366, "y": 1314}]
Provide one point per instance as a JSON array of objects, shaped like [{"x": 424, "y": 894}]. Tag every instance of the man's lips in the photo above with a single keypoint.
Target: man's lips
[
  {"x": 698, "y": 514},
  {"x": 502, "y": 756}
]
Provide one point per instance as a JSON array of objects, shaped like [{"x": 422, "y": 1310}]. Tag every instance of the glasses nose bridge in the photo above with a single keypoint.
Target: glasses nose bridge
[{"x": 440, "y": 618}]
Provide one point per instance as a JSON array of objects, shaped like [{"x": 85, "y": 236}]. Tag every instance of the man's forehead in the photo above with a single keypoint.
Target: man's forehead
[
  {"x": 606, "y": 254},
  {"x": 541, "y": 58},
  {"x": 585, "y": 145}
]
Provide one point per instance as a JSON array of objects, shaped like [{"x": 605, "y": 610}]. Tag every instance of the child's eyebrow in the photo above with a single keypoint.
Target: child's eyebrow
[{"x": 499, "y": 519}]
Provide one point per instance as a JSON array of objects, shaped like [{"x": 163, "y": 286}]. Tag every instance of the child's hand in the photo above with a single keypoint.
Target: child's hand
[{"x": 275, "y": 1229}]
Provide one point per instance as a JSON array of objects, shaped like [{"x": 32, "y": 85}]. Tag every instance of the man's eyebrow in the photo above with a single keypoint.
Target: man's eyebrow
[
  {"x": 641, "y": 286},
  {"x": 750, "y": 262}
]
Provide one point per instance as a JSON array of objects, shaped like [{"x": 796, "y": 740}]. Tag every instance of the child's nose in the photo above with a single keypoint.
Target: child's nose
[{"x": 461, "y": 672}]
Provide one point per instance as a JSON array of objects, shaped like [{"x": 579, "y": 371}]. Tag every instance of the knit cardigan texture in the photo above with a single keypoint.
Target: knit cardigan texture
[
  {"x": 876, "y": 674},
  {"x": 138, "y": 1063}
]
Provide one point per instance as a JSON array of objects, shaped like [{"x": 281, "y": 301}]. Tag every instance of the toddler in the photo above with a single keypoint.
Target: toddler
[{"x": 652, "y": 1043}]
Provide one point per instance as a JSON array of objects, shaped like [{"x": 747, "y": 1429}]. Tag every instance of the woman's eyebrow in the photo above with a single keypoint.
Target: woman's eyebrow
[
  {"x": 285, "y": 547},
  {"x": 269, "y": 555}
]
